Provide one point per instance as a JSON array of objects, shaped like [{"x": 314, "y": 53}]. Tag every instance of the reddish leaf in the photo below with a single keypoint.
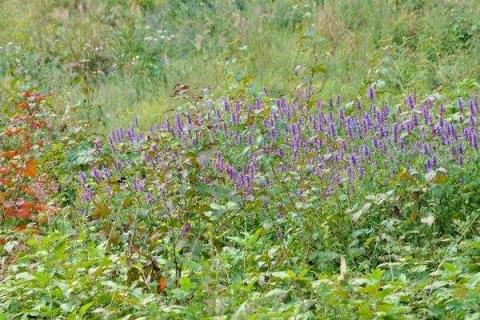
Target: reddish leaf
[
  {"x": 41, "y": 207},
  {"x": 21, "y": 211},
  {"x": 39, "y": 97},
  {"x": 3, "y": 171},
  {"x": 162, "y": 284},
  {"x": 38, "y": 124},
  {"x": 29, "y": 190},
  {"x": 31, "y": 168},
  {"x": 23, "y": 105},
  {"x": 179, "y": 89},
  {"x": 26, "y": 147},
  {"x": 9, "y": 154},
  {"x": 27, "y": 227},
  {"x": 13, "y": 131},
  {"x": 20, "y": 227},
  {"x": 6, "y": 182}
]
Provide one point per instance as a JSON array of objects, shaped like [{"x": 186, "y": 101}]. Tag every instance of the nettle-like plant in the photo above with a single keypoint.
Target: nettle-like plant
[{"x": 24, "y": 187}]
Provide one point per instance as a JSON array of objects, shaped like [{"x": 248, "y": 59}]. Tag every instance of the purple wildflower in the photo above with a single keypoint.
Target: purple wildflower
[
  {"x": 96, "y": 175},
  {"x": 186, "y": 229},
  {"x": 410, "y": 101},
  {"x": 371, "y": 93},
  {"x": 138, "y": 184}
]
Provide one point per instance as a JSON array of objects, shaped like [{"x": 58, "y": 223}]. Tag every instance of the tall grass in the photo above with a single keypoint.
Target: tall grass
[{"x": 125, "y": 57}]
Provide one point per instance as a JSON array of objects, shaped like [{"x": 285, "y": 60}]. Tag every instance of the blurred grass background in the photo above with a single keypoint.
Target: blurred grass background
[{"x": 111, "y": 60}]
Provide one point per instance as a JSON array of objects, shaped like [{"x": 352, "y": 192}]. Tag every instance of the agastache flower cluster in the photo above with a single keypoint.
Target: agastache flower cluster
[
  {"x": 87, "y": 193},
  {"x": 336, "y": 143}
]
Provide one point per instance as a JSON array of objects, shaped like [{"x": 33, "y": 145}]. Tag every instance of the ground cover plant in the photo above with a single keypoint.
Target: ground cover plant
[{"x": 239, "y": 159}]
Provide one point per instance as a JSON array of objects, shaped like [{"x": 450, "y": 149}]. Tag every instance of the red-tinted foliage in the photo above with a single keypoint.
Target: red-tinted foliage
[{"x": 23, "y": 189}]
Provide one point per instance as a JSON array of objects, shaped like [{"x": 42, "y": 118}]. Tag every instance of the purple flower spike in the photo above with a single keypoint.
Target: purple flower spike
[
  {"x": 361, "y": 172},
  {"x": 371, "y": 94},
  {"x": 473, "y": 105},
  {"x": 474, "y": 139},
  {"x": 414, "y": 119},
  {"x": 83, "y": 178},
  {"x": 250, "y": 140},
  {"x": 366, "y": 151},
  {"x": 367, "y": 121},
  {"x": 87, "y": 195},
  {"x": 385, "y": 112},
  {"x": 342, "y": 116},
  {"x": 111, "y": 143},
  {"x": 149, "y": 198},
  {"x": 97, "y": 143},
  {"x": 226, "y": 105},
  {"x": 96, "y": 175},
  {"x": 426, "y": 115},
  {"x": 353, "y": 159},
  {"x": 106, "y": 173},
  {"x": 350, "y": 126},
  {"x": 186, "y": 229},
  {"x": 179, "y": 124},
  {"x": 410, "y": 101},
  {"x": 138, "y": 184},
  {"x": 428, "y": 165},
  {"x": 319, "y": 105},
  {"x": 332, "y": 131},
  {"x": 131, "y": 135},
  {"x": 471, "y": 120}
]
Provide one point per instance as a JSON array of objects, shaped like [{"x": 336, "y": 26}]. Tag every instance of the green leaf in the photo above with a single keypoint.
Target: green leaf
[{"x": 319, "y": 68}]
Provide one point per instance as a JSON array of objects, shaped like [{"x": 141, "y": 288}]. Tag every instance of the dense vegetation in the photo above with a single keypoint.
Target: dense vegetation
[{"x": 239, "y": 159}]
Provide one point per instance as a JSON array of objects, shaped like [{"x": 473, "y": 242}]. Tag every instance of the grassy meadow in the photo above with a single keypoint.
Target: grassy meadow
[
  {"x": 126, "y": 57},
  {"x": 239, "y": 159}
]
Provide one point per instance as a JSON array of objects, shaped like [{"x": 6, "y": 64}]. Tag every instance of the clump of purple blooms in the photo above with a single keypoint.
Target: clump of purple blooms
[{"x": 334, "y": 143}]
